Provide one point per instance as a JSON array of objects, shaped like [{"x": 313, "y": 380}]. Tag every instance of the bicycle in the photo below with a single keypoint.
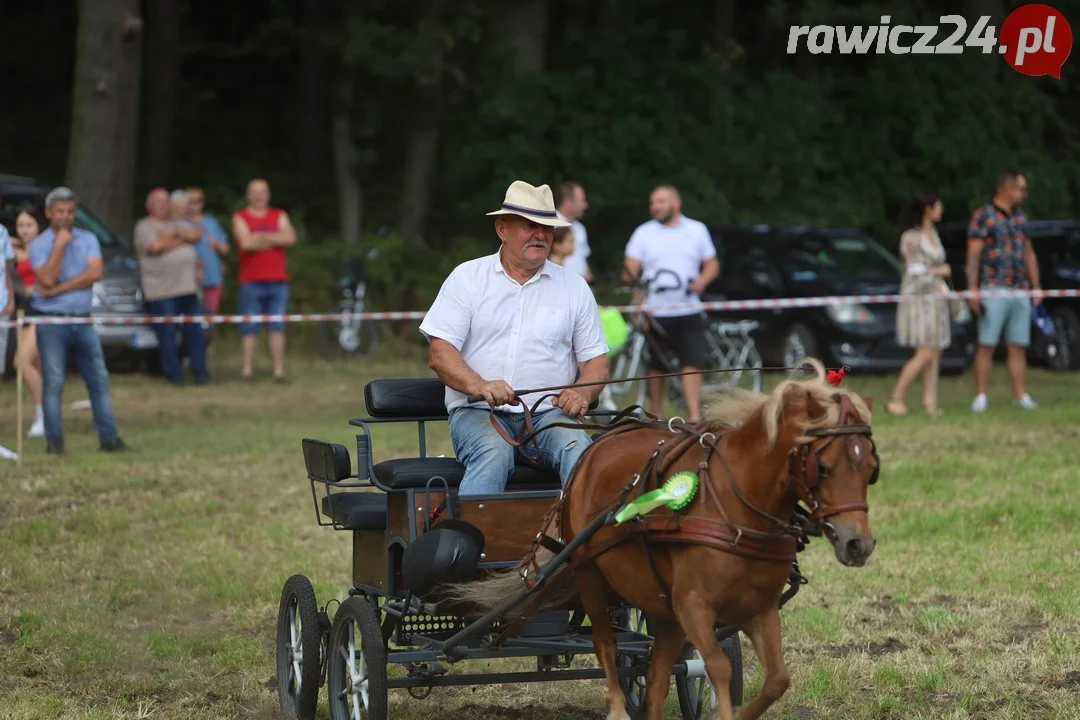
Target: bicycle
[
  {"x": 350, "y": 335},
  {"x": 730, "y": 346}
]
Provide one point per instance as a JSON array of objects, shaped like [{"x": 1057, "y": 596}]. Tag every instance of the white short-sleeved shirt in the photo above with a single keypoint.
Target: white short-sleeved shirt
[
  {"x": 681, "y": 250},
  {"x": 577, "y": 260},
  {"x": 532, "y": 335}
]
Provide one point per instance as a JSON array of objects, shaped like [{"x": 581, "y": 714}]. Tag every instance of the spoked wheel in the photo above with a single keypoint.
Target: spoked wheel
[
  {"x": 356, "y": 670},
  {"x": 300, "y": 649},
  {"x": 339, "y": 339},
  {"x": 697, "y": 699},
  {"x": 633, "y": 687}
]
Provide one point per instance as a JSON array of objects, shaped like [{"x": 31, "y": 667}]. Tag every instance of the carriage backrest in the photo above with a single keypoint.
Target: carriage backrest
[
  {"x": 406, "y": 398},
  {"x": 326, "y": 461}
]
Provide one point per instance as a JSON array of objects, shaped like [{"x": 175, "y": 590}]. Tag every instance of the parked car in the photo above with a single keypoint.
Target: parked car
[
  {"x": 118, "y": 293},
  {"x": 1057, "y": 247},
  {"x": 764, "y": 261}
]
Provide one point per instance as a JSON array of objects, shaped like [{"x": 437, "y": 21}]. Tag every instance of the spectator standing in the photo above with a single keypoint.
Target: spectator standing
[
  {"x": 572, "y": 206},
  {"x": 165, "y": 243},
  {"x": 212, "y": 246},
  {"x": 7, "y": 310},
  {"x": 27, "y": 227},
  {"x": 67, "y": 261},
  {"x": 922, "y": 322},
  {"x": 1001, "y": 257},
  {"x": 562, "y": 245},
  {"x": 262, "y": 233},
  {"x": 674, "y": 249}
]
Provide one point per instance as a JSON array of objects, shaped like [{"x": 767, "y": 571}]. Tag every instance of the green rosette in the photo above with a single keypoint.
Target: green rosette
[{"x": 676, "y": 493}]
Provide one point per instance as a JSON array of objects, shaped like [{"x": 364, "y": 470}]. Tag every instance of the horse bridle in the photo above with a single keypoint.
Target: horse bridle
[{"x": 806, "y": 470}]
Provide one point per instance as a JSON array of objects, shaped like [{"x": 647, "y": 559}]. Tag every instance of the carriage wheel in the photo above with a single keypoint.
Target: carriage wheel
[
  {"x": 356, "y": 670},
  {"x": 696, "y": 696},
  {"x": 299, "y": 649},
  {"x": 633, "y": 687}
]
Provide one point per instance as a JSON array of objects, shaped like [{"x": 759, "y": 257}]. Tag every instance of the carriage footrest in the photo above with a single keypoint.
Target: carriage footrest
[{"x": 356, "y": 510}]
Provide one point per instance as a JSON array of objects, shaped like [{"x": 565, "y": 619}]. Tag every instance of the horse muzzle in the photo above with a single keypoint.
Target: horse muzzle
[{"x": 851, "y": 546}]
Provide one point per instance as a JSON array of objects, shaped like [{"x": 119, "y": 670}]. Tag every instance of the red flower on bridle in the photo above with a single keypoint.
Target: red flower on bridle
[{"x": 833, "y": 377}]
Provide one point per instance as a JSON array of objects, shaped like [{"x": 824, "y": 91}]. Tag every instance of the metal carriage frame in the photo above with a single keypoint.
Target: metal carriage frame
[{"x": 388, "y": 505}]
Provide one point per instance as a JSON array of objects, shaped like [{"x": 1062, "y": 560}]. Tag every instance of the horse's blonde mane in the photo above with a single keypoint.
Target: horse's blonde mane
[{"x": 734, "y": 407}]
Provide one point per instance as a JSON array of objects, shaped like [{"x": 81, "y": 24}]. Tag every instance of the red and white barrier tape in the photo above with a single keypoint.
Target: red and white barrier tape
[{"x": 760, "y": 304}]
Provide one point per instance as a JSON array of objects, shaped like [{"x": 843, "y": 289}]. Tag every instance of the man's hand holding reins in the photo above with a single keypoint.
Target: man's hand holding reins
[
  {"x": 572, "y": 402},
  {"x": 494, "y": 392}
]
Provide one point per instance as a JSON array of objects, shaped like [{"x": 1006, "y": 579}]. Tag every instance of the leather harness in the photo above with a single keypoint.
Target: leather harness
[{"x": 806, "y": 472}]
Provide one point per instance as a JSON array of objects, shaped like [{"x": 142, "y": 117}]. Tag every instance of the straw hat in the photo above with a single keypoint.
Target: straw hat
[{"x": 535, "y": 203}]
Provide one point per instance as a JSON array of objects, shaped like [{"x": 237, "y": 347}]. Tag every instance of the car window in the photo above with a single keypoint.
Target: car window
[
  {"x": 1061, "y": 247},
  {"x": 87, "y": 221},
  {"x": 848, "y": 258}
]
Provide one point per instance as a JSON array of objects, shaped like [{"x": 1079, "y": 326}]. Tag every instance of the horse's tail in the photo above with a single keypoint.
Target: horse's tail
[{"x": 497, "y": 588}]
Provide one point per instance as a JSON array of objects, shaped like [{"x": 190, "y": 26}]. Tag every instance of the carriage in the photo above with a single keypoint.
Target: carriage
[{"x": 411, "y": 535}]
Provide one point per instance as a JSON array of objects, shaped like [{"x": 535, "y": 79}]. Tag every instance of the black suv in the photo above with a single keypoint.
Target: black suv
[
  {"x": 1057, "y": 247},
  {"x": 764, "y": 261}
]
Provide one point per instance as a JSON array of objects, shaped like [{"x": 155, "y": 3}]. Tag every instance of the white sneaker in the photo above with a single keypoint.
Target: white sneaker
[
  {"x": 979, "y": 404},
  {"x": 1026, "y": 402},
  {"x": 37, "y": 429},
  {"x": 6, "y": 454}
]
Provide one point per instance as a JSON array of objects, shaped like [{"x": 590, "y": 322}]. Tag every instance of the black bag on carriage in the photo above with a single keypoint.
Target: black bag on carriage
[{"x": 447, "y": 553}]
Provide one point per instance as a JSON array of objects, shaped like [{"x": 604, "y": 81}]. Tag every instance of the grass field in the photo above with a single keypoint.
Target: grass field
[{"x": 147, "y": 585}]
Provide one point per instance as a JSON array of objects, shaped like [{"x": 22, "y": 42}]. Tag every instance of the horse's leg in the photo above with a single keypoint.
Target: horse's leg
[
  {"x": 668, "y": 642},
  {"x": 699, "y": 621},
  {"x": 594, "y": 599},
  {"x": 764, "y": 632}
]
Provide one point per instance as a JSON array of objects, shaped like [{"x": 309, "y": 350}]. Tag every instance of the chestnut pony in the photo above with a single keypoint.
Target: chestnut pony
[{"x": 723, "y": 559}]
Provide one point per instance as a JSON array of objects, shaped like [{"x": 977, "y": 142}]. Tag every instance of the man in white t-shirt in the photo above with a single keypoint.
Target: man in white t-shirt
[
  {"x": 572, "y": 205},
  {"x": 516, "y": 320},
  {"x": 677, "y": 257}
]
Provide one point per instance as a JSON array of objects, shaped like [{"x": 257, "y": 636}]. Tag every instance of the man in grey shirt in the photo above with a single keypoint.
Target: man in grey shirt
[{"x": 168, "y": 261}]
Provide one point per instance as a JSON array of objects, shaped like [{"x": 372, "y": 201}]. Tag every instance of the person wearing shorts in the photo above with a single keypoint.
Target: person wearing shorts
[
  {"x": 262, "y": 233},
  {"x": 1001, "y": 257},
  {"x": 677, "y": 257}
]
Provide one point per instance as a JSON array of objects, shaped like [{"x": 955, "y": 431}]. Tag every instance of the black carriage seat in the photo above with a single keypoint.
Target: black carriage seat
[
  {"x": 362, "y": 510},
  {"x": 425, "y": 398},
  {"x": 353, "y": 510},
  {"x": 406, "y": 473}
]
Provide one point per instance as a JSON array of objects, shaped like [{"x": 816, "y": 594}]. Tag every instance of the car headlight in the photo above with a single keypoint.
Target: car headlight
[{"x": 849, "y": 314}]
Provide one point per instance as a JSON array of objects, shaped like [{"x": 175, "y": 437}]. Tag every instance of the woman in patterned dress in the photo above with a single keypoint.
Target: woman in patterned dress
[{"x": 922, "y": 322}]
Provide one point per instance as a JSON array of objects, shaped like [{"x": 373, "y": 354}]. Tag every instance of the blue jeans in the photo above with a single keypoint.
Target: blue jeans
[
  {"x": 489, "y": 460},
  {"x": 262, "y": 298},
  {"x": 194, "y": 341},
  {"x": 54, "y": 343}
]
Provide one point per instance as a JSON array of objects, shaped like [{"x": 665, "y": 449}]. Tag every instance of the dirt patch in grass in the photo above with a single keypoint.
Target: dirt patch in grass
[
  {"x": 172, "y": 559},
  {"x": 873, "y": 649}
]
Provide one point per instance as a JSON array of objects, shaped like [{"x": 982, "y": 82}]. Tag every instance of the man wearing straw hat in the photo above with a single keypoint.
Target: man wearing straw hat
[{"x": 510, "y": 320}]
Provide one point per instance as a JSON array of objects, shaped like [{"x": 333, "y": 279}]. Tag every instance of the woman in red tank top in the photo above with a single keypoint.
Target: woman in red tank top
[{"x": 27, "y": 227}]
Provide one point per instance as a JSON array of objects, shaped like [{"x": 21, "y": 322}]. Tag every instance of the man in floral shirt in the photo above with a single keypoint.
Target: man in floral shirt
[{"x": 1000, "y": 257}]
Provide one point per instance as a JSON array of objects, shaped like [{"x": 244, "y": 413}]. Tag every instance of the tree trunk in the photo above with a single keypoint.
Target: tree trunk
[
  {"x": 425, "y": 127},
  {"x": 105, "y": 113},
  {"x": 524, "y": 34},
  {"x": 723, "y": 26},
  {"x": 163, "y": 58},
  {"x": 345, "y": 171},
  {"x": 312, "y": 93}
]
